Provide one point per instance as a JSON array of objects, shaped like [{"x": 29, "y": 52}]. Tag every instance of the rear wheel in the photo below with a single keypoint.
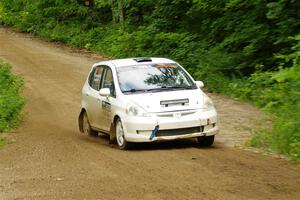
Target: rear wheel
[
  {"x": 206, "y": 141},
  {"x": 87, "y": 127},
  {"x": 120, "y": 136}
]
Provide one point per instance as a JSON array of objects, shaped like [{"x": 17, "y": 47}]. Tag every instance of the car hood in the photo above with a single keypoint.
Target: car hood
[{"x": 168, "y": 101}]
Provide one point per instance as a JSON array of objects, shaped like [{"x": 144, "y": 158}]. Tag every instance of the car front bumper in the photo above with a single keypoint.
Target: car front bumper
[{"x": 139, "y": 129}]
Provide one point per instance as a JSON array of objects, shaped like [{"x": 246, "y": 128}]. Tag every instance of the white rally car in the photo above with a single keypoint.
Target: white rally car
[{"x": 146, "y": 100}]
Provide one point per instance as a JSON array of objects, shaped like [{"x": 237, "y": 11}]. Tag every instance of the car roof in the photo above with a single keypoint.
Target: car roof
[{"x": 135, "y": 61}]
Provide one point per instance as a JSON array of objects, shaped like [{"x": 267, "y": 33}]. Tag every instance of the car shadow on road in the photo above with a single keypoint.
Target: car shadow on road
[
  {"x": 103, "y": 140},
  {"x": 169, "y": 145}
]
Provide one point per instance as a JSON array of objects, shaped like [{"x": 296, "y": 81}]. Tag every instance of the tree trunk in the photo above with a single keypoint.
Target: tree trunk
[
  {"x": 113, "y": 12},
  {"x": 121, "y": 12}
]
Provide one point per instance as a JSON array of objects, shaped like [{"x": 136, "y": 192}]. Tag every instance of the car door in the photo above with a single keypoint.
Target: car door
[
  {"x": 93, "y": 98},
  {"x": 108, "y": 102}
]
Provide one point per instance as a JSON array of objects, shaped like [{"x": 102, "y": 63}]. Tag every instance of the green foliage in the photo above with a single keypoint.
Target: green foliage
[
  {"x": 230, "y": 37},
  {"x": 261, "y": 138},
  {"x": 11, "y": 102},
  {"x": 3, "y": 141},
  {"x": 279, "y": 93}
]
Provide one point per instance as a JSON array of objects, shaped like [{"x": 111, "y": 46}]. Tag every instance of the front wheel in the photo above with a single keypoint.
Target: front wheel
[
  {"x": 120, "y": 136},
  {"x": 206, "y": 141}
]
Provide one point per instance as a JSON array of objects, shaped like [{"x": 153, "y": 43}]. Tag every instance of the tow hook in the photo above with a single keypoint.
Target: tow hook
[{"x": 154, "y": 131}]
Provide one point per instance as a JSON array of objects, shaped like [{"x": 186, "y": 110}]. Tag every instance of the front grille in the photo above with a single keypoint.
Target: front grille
[{"x": 179, "y": 131}]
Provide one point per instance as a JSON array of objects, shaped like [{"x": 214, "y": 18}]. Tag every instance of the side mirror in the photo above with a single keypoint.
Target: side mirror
[
  {"x": 104, "y": 92},
  {"x": 200, "y": 84}
]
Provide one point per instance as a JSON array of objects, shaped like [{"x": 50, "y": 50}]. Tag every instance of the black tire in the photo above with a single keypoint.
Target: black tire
[
  {"x": 121, "y": 141},
  {"x": 87, "y": 127},
  {"x": 206, "y": 141}
]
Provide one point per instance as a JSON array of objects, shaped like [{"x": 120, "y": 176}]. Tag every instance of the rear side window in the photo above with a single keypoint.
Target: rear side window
[{"x": 95, "y": 77}]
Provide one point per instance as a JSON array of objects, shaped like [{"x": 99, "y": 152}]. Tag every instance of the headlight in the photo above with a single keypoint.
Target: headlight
[
  {"x": 207, "y": 103},
  {"x": 135, "y": 110}
]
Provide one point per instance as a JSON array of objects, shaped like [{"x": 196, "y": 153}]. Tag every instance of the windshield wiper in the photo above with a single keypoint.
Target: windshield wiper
[
  {"x": 178, "y": 87},
  {"x": 134, "y": 90},
  {"x": 146, "y": 90},
  {"x": 162, "y": 88}
]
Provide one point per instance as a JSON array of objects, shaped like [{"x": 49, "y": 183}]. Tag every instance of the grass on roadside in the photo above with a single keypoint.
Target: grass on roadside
[
  {"x": 11, "y": 101},
  {"x": 3, "y": 141}
]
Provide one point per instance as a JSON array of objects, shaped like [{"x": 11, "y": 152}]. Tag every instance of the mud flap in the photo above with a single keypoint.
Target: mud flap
[{"x": 154, "y": 132}]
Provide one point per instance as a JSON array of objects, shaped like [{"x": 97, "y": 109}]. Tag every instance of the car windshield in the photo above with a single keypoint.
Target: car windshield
[{"x": 153, "y": 77}]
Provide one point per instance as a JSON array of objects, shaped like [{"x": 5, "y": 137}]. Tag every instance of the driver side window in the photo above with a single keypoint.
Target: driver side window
[
  {"x": 109, "y": 82},
  {"x": 95, "y": 78}
]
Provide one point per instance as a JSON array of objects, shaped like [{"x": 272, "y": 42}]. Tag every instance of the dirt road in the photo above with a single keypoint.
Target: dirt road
[{"x": 51, "y": 160}]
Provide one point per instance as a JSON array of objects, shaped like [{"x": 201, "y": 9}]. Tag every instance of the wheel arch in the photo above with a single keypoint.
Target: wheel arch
[
  {"x": 112, "y": 135},
  {"x": 80, "y": 119}
]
